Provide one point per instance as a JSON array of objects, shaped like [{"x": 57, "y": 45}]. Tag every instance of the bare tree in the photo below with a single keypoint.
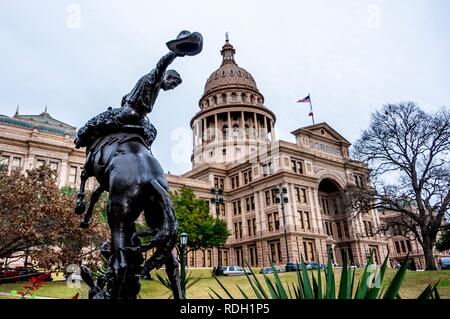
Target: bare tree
[{"x": 408, "y": 151}]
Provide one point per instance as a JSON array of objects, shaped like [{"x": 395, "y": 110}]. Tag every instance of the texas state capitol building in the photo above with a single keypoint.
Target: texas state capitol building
[{"x": 234, "y": 148}]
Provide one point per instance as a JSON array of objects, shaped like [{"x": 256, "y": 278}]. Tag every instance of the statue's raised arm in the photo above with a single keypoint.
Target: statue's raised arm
[
  {"x": 139, "y": 102},
  {"x": 144, "y": 94}
]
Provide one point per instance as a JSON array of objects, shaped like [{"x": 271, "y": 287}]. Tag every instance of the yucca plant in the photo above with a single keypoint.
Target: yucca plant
[
  {"x": 368, "y": 287},
  {"x": 186, "y": 282}
]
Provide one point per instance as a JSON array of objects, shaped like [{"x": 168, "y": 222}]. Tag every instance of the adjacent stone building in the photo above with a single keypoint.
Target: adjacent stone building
[{"x": 28, "y": 141}]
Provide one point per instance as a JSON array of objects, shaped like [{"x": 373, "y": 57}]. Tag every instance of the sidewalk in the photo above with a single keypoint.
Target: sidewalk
[{"x": 27, "y": 297}]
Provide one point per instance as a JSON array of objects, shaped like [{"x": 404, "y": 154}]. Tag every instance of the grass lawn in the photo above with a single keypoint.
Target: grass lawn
[{"x": 413, "y": 285}]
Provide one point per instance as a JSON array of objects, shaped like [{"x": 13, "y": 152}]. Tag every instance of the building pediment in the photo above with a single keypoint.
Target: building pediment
[{"x": 323, "y": 131}]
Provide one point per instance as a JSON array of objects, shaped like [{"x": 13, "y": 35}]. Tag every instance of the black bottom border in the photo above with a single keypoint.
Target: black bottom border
[{"x": 168, "y": 309}]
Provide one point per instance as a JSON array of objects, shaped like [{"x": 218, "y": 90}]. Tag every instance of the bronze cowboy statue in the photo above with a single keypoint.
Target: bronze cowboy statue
[{"x": 118, "y": 153}]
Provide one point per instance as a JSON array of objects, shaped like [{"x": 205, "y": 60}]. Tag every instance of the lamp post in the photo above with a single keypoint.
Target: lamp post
[
  {"x": 183, "y": 242},
  {"x": 282, "y": 198},
  {"x": 218, "y": 201}
]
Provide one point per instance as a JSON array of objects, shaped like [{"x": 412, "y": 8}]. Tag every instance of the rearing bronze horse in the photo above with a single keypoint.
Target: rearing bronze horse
[{"x": 125, "y": 167}]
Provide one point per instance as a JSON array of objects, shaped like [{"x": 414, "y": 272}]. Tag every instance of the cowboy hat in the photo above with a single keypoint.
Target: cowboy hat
[{"x": 186, "y": 43}]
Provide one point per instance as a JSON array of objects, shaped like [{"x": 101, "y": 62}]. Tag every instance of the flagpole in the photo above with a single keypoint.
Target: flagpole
[{"x": 311, "y": 109}]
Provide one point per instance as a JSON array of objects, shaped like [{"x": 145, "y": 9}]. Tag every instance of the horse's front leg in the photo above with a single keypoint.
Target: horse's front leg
[
  {"x": 94, "y": 199},
  {"x": 81, "y": 202}
]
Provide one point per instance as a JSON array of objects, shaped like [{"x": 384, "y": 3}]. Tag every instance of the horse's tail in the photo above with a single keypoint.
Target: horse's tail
[{"x": 166, "y": 236}]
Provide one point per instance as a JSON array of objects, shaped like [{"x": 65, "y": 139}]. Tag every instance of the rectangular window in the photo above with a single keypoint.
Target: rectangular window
[
  {"x": 270, "y": 222},
  {"x": 339, "y": 230},
  {"x": 239, "y": 256},
  {"x": 267, "y": 169},
  {"x": 222, "y": 209},
  {"x": 359, "y": 180},
  {"x": 408, "y": 244},
  {"x": 235, "y": 181},
  {"x": 247, "y": 177},
  {"x": 307, "y": 221},
  {"x": 366, "y": 228},
  {"x": 250, "y": 203},
  {"x": 335, "y": 206},
  {"x": 268, "y": 201},
  {"x": 4, "y": 163},
  {"x": 302, "y": 223},
  {"x": 329, "y": 229},
  {"x": 219, "y": 182},
  {"x": 280, "y": 257},
  {"x": 40, "y": 162},
  {"x": 397, "y": 247},
  {"x": 54, "y": 166},
  {"x": 237, "y": 207},
  {"x": 303, "y": 198},
  {"x": 277, "y": 220},
  {"x": 247, "y": 204},
  {"x": 308, "y": 247},
  {"x": 236, "y": 234},
  {"x": 274, "y": 195},
  {"x": 254, "y": 226},
  {"x": 192, "y": 258},
  {"x": 346, "y": 232},
  {"x": 73, "y": 174},
  {"x": 249, "y": 228},
  {"x": 253, "y": 255},
  {"x": 225, "y": 258},
  {"x": 324, "y": 203},
  {"x": 16, "y": 163},
  {"x": 297, "y": 166},
  {"x": 275, "y": 251},
  {"x": 209, "y": 258},
  {"x": 402, "y": 243},
  {"x": 240, "y": 229}
]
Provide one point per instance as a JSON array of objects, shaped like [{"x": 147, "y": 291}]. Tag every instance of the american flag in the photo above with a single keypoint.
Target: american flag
[{"x": 304, "y": 100}]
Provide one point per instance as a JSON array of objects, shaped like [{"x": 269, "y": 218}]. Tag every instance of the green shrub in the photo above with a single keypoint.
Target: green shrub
[{"x": 368, "y": 287}]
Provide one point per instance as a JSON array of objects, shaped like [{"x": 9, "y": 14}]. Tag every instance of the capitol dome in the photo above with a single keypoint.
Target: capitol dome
[
  {"x": 233, "y": 121},
  {"x": 229, "y": 75}
]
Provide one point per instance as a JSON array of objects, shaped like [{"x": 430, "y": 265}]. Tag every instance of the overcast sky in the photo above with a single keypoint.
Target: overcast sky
[{"x": 79, "y": 57}]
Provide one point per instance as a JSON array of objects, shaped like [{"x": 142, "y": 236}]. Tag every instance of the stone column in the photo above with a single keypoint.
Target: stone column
[
  {"x": 265, "y": 128},
  {"x": 216, "y": 128},
  {"x": 313, "y": 193},
  {"x": 258, "y": 212},
  {"x": 296, "y": 224},
  {"x": 229, "y": 125},
  {"x": 272, "y": 132},
  {"x": 64, "y": 172}
]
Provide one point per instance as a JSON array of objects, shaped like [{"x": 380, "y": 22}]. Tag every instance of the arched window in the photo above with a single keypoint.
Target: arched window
[
  {"x": 247, "y": 130},
  {"x": 207, "y": 103},
  {"x": 252, "y": 99},
  {"x": 224, "y": 98},
  {"x": 244, "y": 98},
  {"x": 215, "y": 100},
  {"x": 235, "y": 130},
  {"x": 233, "y": 97},
  {"x": 225, "y": 131}
]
